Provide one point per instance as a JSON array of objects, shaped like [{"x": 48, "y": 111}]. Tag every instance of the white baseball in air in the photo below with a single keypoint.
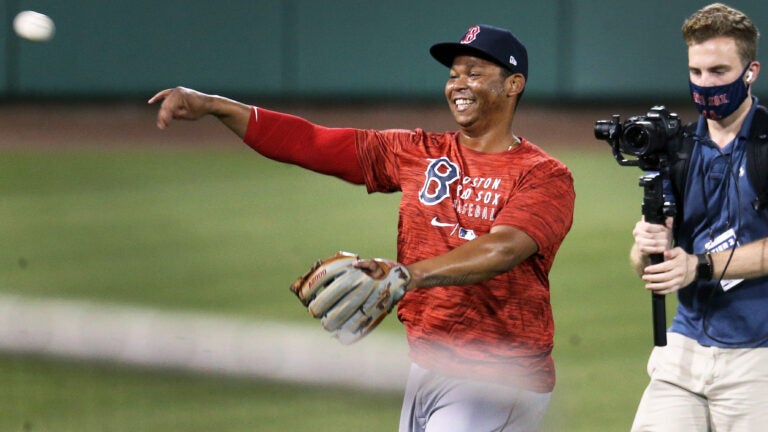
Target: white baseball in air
[{"x": 34, "y": 26}]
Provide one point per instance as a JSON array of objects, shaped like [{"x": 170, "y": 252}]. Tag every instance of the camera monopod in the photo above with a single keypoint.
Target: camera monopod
[{"x": 655, "y": 210}]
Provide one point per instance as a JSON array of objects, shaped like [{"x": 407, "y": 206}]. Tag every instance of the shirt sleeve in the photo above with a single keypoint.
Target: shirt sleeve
[
  {"x": 290, "y": 139},
  {"x": 543, "y": 205},
  {"x": 382, "y": 152}
]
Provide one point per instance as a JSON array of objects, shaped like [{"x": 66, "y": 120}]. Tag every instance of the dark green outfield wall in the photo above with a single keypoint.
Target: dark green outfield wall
[{"x": 323, "y": 49}]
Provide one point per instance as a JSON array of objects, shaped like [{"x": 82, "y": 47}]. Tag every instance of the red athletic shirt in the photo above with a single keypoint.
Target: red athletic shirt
[{"x": 500, "y": 330}]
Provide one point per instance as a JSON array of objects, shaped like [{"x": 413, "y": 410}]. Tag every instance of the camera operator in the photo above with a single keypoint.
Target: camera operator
[{"x": 712, "y": 374}]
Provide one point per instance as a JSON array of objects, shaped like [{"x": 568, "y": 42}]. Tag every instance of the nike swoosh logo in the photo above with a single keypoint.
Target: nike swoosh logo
[{"x": 437, "y": 223}]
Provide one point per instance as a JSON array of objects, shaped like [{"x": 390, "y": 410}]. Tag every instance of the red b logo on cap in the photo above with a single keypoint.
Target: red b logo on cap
[{"x": 471, "y": 35}]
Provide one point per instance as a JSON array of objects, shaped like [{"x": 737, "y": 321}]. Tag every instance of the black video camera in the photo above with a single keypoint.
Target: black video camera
[{"x": 653, "y": 139}]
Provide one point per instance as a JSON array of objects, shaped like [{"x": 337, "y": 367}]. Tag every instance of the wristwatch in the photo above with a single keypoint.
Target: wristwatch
[{"x": 704, "y": 267}]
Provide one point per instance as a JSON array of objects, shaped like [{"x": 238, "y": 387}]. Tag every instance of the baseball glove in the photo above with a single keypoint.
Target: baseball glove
[{"x": 349, "y": 302}]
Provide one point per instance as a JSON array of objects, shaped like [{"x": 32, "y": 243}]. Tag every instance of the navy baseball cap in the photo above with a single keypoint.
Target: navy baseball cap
[{"x": 492, "y": 43}]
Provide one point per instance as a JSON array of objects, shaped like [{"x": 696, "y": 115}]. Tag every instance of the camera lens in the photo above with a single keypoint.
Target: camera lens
[
  {"x": 604, "y": 129},
  {"x": 636, "y": 139}
]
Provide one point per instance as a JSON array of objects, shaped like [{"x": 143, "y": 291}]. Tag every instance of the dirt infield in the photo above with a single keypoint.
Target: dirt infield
[{"x": 132, "y": 123}]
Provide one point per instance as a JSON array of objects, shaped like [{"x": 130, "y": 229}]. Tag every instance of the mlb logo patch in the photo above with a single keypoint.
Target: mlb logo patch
[{"x": 467, "y": 234}]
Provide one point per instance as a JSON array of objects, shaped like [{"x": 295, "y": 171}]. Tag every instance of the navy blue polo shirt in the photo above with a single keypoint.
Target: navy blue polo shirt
[{"x": 718, "y": 213}]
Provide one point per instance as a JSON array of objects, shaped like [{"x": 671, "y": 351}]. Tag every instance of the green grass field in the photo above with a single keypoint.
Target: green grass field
[{"x": 224, "y": 231}]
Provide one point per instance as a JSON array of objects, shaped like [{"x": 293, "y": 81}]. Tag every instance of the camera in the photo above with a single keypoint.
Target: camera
[{"x": 653, "y": 139}]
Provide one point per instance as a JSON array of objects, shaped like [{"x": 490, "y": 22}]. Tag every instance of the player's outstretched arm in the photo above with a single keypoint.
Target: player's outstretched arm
[{"x": 186, "y": 104}]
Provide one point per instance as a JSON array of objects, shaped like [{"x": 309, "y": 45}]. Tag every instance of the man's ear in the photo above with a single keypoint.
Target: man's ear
[
  {"x": 515, "y": 84},
  {"x": 752, "y": 72}
]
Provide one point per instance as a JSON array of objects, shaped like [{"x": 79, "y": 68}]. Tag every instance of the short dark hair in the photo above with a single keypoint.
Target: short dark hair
[{"x": 719, "y": 20}]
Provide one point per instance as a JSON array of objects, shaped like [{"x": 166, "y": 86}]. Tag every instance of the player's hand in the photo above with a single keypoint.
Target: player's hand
[
  {"x": 677, "y": 271},
  {"x": 652, "y": 238},
  {"x": 181, "y": 104}
]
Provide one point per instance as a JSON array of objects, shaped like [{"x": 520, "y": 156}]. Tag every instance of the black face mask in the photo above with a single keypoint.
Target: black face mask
[{"x": 718, "y": 102}]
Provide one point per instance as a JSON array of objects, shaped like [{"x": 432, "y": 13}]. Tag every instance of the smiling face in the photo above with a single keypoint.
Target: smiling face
[{"x": 480, "y": 94}]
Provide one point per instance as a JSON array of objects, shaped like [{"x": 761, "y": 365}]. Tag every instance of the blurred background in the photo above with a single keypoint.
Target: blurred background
[
  {"x": 144, "y": 274},
  {"x": 344, "y": 49}
]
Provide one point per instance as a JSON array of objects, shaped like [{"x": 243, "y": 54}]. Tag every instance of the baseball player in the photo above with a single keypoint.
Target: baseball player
[{"x": 482, "y": 215}]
